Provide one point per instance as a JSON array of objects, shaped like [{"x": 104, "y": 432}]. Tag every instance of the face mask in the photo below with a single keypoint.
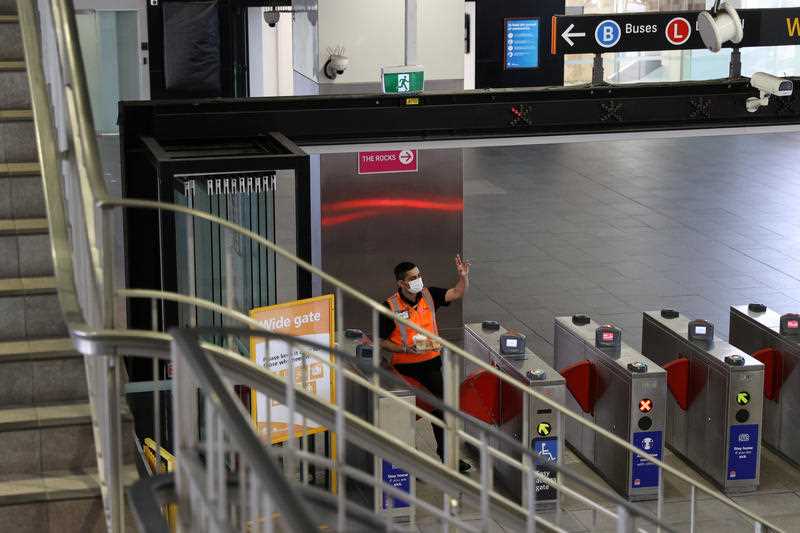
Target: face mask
[{"x": 415, "y": 286}]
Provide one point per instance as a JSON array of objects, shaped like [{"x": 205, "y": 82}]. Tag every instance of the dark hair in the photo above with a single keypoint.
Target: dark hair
[{"x": 401, "y": 269}]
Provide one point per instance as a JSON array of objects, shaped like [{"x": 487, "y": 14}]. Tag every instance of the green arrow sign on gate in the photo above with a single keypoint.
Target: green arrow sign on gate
[
  {"x": 401, "y": 80},
  {"x": 743, "y": 398}
]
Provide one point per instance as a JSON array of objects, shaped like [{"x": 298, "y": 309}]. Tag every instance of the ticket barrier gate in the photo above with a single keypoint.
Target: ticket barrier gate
[
  {"x": 526, "y": 419},
  {"x": 774, "y": 340},
  {"x": 399, "y": 422},
  {"x": 714, "y": 410},
  {"x": 620, "y": 390}
]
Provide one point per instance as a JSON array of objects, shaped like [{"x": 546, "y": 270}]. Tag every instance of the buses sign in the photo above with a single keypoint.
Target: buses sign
[{"x": 643, "y": 32}]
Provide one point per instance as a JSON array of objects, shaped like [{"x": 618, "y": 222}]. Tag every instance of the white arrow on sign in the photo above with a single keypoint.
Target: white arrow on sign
[{"x": 568, "y": 36}]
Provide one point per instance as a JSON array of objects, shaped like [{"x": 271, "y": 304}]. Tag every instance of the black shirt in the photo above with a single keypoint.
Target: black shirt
[{"x": 387, "y": 325}]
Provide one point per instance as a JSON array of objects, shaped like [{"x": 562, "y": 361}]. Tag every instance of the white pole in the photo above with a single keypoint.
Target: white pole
[{"x": 411, "y": 32}]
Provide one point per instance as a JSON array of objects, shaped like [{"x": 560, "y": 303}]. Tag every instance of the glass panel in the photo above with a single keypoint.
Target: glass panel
[
  {"x": 217, "y": 265},
  {"x": 109, "y": 45}
]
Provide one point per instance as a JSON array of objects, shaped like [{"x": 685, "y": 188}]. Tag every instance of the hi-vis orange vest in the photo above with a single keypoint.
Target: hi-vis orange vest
[{"x": 423, "y": 315}]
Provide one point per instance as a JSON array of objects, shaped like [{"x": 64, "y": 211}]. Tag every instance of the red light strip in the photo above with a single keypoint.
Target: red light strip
[{"x": 411, "y": 203}]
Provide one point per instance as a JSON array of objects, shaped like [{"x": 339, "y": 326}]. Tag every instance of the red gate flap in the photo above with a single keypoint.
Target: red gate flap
[
  {"x": 773, "y": 370},
  {"x": 678, "y": 381},
  {"x": 580, "y": 379},
  {"x": 479, "y": 396}
]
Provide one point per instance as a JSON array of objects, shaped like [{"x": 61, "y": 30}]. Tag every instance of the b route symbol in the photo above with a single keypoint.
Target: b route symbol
[{"x": 608, "y": 33}]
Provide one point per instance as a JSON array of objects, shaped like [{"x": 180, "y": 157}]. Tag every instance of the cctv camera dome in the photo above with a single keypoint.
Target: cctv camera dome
[{"x": 272, "y": 17}]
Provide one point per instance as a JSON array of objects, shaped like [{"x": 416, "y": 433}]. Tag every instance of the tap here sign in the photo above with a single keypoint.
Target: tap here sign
[{"x": 311, "y": 320}]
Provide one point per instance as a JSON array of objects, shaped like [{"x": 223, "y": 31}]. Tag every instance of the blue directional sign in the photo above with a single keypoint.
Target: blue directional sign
[
  {"x": 743, "y": 452},
  {"x": 643, "y": 472},
  {"x": 547, "y": 450},
  {"x": 398, "y": 478},
  {"x": 607, "y": 33},
  {"x": 522, "y": 43}
]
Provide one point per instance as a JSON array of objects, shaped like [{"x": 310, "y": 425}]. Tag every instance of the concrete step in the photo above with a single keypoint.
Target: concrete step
[
  {"x": 14, "y": 92},
  {"x": 17, "y": 136},
  {"x": 7, "y": 115},
  {"x": 16, "y": 170},
  {"x": 25, "y": 256},
  {"x": 22, "y": 197},
  {"x": 45, "y": 438},
  {"x": 27, "y": 286},
  {"x": 10, "y": 38},
  {"x": 41, "y": 371},
  {"x": 23, "y": 226},
  {"x": 31, "y": 315},
  {"x": 59, "y": 502}
]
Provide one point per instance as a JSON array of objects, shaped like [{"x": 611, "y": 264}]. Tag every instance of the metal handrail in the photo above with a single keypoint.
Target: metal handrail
[
  {"x": 246, "y": 372},
  {"x": 378, "y": 308},
  {"x": 93, "y": 187},
  {"x": 256, "y": 327},
  {"x": 209, "y": 377}
]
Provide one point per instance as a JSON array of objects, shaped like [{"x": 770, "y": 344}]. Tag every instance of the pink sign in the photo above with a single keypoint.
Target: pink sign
[{"x": 387, "y": 161}]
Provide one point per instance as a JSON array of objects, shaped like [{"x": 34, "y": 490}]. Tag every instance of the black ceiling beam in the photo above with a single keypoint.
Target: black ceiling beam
[{"x": 316, "y": 120}]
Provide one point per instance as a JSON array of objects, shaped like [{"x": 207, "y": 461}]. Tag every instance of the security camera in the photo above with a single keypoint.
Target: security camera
[
  {"x": 767, "y": 85},
  {"x": 337, "y": 63},
  {"x": 271, "y": 17},
  {"x": 720, "y": 27}
]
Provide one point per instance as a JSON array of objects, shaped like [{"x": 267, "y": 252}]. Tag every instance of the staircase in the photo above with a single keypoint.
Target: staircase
[{"x": 48, "y": 467}]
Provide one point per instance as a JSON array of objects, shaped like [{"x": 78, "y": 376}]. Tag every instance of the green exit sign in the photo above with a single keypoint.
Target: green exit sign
[{"x": 400, "y": 80}]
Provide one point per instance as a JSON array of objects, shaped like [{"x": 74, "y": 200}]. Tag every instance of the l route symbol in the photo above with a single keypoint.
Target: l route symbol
[{"x": 678, "y": 31}]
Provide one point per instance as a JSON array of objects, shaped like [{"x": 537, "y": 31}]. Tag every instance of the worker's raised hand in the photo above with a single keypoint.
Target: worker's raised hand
[{"x": 462, "y": 267}]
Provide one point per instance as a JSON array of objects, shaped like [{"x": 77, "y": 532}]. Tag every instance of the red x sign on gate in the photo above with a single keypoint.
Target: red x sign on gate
[{"x": 645, "y": 405}]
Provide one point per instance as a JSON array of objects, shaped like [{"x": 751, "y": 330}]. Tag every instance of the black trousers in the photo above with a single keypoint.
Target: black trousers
[{"x": 429, "y": 374}]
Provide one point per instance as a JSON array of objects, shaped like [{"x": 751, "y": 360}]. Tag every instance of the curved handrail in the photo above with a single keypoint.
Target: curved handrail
[
  {"x": 256, "y": 327},
  {"x": 377, "y": 307},
  {"x": 210, "y": 379},
  {"x": 244, "y": 371}
]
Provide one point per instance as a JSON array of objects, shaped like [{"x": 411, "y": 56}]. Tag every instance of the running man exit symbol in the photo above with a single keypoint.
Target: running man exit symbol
[{"x": 403, "y": 83}]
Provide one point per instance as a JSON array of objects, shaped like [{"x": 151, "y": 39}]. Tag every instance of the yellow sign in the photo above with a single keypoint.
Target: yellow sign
[
  {"x": 165, "y": 463},
  {"x": 544, "y": 429},
  {"x": 793, "y": 26},
  {"x": 743, "y": 398},
  {"x": 311, "y": 320}
]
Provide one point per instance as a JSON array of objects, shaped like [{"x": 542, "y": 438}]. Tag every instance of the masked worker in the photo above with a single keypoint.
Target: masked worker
[{"x": 410, "y": 353}]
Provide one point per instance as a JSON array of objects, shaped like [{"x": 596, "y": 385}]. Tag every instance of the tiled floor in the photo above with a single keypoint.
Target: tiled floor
[{"x": 613, "y": 229}]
